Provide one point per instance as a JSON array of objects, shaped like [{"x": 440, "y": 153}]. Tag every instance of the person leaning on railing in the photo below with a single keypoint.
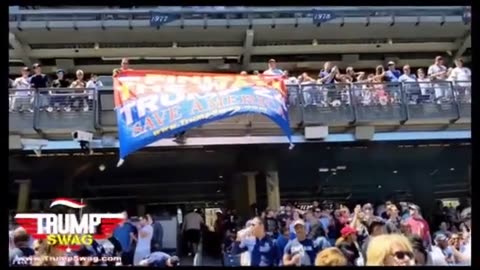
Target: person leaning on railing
[
  {"x": 61, "y": 101},
  {"x": 22, "y": 98},
  {"x": 80, "y": 84}
]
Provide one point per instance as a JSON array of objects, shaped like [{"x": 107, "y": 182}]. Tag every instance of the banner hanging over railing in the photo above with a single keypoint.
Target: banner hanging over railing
[{"x": 151, "y": 105}]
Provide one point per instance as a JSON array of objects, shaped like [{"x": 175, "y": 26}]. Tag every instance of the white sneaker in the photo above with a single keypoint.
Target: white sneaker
[
  {"x": 49, "y": 109},
  {"x": 67, "y": 109},
  {"x": 86, "y": 109}
]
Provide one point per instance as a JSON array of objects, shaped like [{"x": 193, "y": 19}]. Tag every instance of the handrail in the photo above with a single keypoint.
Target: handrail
[
  {"x": 347, "y": 94},
  {"x": 341, "y": 12}
]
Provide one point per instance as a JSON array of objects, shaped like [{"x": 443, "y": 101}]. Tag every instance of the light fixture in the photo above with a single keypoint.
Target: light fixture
[
  {"x": 218, "y": 191},
  {"x": 323, "y": 170},
  {"x": 220, "y": 176},
  {"x": 343, "y": 167},
  {"x": 379, "y": 186},
  {"x": 395, "y": 172},
  {"x": 334, "y": 173},
  {"x": 452, "y": 169}
]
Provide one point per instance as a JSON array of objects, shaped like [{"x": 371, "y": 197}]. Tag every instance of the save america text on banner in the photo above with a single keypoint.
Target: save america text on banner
[{"x": 151, "y": 105}]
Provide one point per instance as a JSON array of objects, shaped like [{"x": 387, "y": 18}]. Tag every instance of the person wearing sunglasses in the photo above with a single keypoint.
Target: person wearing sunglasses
[{"x": 390, "y": 250}]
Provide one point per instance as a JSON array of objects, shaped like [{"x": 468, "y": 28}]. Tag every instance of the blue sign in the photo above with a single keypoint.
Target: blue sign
[
  {"x": 151, "y": 105},
  {"x": 320, "y": 16},
  {"x": 159, "y": 19}
]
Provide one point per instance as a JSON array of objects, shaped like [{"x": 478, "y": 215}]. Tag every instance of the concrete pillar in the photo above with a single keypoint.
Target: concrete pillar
[
  {"x": 421, "y": 185},
  {"x": 273, "y": 190},
  {"x": 251, "y": 187},
  {"x": 23, "y": 195},
  {"x": 243, "y": 192}
]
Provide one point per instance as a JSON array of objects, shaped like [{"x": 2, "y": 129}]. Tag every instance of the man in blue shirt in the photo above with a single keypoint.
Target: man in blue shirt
[
  {"x": 392, "y": 74},
  {"x": 281, "y": 243},
  {"x": 300, "y": 251},
  {"x": 262, "y": 249},
  {"x": 125, "y": 234},
  {"x": 272, "y": 69}
]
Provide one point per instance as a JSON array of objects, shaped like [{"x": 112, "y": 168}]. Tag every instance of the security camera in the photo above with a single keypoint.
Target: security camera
[
  {"x": 84, "y": 138},
  {"x": 79, "y": 136}
]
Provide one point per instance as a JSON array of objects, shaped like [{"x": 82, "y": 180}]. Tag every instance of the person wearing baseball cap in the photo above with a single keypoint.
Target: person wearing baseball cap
[
  {"x": 300, "y": 251},
  {"x": 392, "y": 73},
  {"x": 347, "y": 243},
  {"x": 160, "y": 259},
  {"x": 261, "y": 247},
  {"x": 418, "y": 225}
]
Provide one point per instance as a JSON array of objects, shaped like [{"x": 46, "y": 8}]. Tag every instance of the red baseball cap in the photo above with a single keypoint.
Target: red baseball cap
[{"x": 347, "y": 230}]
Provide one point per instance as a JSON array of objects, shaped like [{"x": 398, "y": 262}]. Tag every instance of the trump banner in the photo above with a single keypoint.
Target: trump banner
[{"x": 151, "y": 105}]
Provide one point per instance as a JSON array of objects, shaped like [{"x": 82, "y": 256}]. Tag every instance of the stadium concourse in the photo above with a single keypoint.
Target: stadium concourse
[{"x": 300, "y": 230}]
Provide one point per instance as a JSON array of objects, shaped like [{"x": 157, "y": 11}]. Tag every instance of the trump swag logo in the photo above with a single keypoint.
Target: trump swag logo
[{"x": 66, "y": 230}]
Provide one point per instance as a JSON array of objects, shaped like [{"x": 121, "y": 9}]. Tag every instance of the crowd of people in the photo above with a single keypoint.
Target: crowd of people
[
  {"x": 394, "y": 234},
  {"x": 330, "y": 88},
  {"x": 322, "y": 234},
  {"x": 62, "y": 100}
]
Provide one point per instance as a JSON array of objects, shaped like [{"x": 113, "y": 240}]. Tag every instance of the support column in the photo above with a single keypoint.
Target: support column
[
  {"x": 421, "y": 185},
  {"x": 140, "y": 210},
  {"x": 23, "y": 195},
  {"x": 251, "y": 187},
  {"x": 273, "y": 190},
  {"x": 244, "y": 193}
]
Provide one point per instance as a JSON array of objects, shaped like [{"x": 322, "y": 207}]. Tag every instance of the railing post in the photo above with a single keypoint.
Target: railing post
[
  {"x": 353, "y": 103},
  {"x": 96, "y": 111},
  {"x": 455, "y": 101},
  {"x": 403, "y": 100},
  {"x": 36, "y": 109}
]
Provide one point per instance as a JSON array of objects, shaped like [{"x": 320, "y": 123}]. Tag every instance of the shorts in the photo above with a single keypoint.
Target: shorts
[{"x": 193, "y": 236}]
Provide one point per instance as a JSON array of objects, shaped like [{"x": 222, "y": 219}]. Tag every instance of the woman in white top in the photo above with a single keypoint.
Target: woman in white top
[
  {"x": 145, "y": 233},
  {"x": 461, "y": 77},
  {"x": 461, "y": 74},
  {"x": 423, "y": 82}
]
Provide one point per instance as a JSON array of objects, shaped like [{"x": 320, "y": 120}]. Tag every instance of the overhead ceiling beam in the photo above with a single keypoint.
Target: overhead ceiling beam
[
  {"x": 247, "y": 48},
  {"x": 236, "y": 51},
  {"x": 467, "y": 43},
  {"x": 21, "y": 50}
]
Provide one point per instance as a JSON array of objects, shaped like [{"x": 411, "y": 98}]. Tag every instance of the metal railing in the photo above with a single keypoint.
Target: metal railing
[
  {"x": 66, "y": 99},
  {"x": 309, "y": 103}
]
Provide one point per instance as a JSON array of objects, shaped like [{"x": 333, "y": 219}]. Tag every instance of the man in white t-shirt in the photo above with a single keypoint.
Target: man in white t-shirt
[
  {"x": 143, "y": 247},
  {"x": 438, "y": 72},
  {"x": 192, "y": 224},
  {"x": 461, "y": 77},
  {"x": 22, "y": 98}
]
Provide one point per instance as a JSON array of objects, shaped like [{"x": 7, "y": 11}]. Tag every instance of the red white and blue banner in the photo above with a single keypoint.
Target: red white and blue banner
[{"x": 151, "y": 105}]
